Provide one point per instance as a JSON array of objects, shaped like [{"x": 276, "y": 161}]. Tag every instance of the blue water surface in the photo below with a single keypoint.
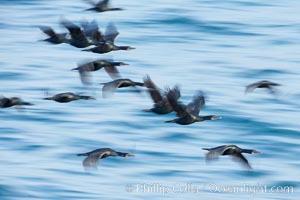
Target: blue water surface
[{"x": 216, "y": 46}]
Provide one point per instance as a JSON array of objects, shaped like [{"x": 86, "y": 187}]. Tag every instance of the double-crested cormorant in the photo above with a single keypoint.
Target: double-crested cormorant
[
  {"x": 262, "y": 84},
  {"x": 109, "y": 88},
  {"x": 67, "y": 97},
  {"x": 101, "y": 6},
  {"x": 110, "y": 67},
  {"x": 13, "y": 101},
  {"x": 108, "y": 45},
  {"x": 161, "y": 104},
  {"x": 232, "y": 150},
  {"x": 93, "y": 157},
  {"x": 190, "y": 113},
  {"x": 54, "y": 38}
]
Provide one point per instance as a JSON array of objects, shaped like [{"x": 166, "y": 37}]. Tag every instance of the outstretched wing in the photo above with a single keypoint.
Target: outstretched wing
[
  {"x": 109, "y": 88},
  {"x": 48, "y": 31},
  {"x": 111, "y": 32},
  {"x": 103, "y": 3},
  {"x": 91, "y": 2},
  {"x": 113, "y": 72},
  {"x": 153, "y": 90},
  {"x": 195, "y": 106},
  {"x": 241, "y": 159},
  {"x": 177, "y": 107},
  {"x": 75, "y": 31},
  {"x": 214, "y": 153},
  {"x": 91, "y": 162}
]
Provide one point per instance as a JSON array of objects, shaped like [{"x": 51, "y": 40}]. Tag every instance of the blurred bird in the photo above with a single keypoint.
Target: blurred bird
[
  {"x": 78, "y": 38},
  {"x": 101, "y": 6},
  {"x": 109, "y": 88},
  {"x": 161, "y": 104},
  {"x": 110, "y": 67},
  {"x": 262, "y": 84},
  {"x": 67, "y": 97},
  {"x": 190, "y": 113},
  {"x": 108, "y": 45},
  {"x": 232, "y": 150},
  {"x": 13, "y": 101},
  {"x": 93, "y": 157},
  {"x": 54, "y": 38}
]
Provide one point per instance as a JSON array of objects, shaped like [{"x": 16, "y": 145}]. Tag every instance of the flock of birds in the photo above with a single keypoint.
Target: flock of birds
[{"x": 165, "y": 101}]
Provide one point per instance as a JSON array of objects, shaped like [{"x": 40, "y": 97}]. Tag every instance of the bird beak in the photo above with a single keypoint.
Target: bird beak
[
  {"x": 124, "y": 64},
  {"x": 255, "y": 152},
  {"x": 130, "y": 48},
  {"x": 129, "y": 155}
]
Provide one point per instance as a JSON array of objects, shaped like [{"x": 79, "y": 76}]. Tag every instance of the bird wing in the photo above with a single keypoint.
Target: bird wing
[
  {"x": 91, "y": 162},
  {"x": 109, "y": 88},
  {"x": 103, "y": 3},
  {"x": 111, "y": 32},
  {"x": 176, "y": 92},
  {"x": 214, "y": 153},
  {"x": 113, "y": 72},
  {"x": 48, "y": 30},
  {"x": 177, "y": 107},
  {"x": 91, "y": 2},
  {"x": 75, "y": 31},
  {"x": 241, "y": 159},
  {"x": 195, "y": 106},
  {"x": 153, "y": 90},
  {"x": 85, "y": 73},
  {"x": 251, "y": 87}
]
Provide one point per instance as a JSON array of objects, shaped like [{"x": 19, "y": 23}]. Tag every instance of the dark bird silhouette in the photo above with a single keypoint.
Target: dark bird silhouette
[
  {"x": 78, "y": 38},
  {"x": 262, "y": 84},
  {"x": 190, "y": 113},
  {"x": 54, "y": 38},
  {"x": 101, "y": 6},
  {"x": 232, "y": 150},
  {"x": 108, "y": 45},
  {"x": 67, "y": 97},
  {"x": 13, "y": 101},
  {"x": 110, "y": 67},
  {"x": 93, "y": 157},
  {"x": 161, "y": 104},
  {"x": 109, "y": 88}
]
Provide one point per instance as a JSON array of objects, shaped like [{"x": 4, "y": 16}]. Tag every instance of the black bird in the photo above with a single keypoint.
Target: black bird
[
  {"x": 161, "y": 104},
  {"x": 262, "y": 84},
  {"x": 190, "y": 113},
  {"x": 93, "y": 157},
  {"x": 13, "y": 101},
  {"x": 110, "y": 87},
  {"x": 54, "y": 38},
  {"x": 67, "y": 97},
  {"x": 232, "y": 150},
  {"x": 108, "y": 45},
  {"x": 78, "y": 38},
  {"x": 110, "y": 67},
  {"x": 101, "y": 6}
]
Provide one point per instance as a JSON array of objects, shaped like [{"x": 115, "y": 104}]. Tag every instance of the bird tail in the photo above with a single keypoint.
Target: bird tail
[
  {"x": 86, "y": 50},
  {"x": 82, "y": 154},
  {"x": 147, "y": 110},
  {"x": 48, "y": 98}
]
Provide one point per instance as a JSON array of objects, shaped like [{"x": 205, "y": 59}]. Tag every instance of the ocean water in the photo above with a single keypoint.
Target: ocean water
[{"x": 215, "y": 46}]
